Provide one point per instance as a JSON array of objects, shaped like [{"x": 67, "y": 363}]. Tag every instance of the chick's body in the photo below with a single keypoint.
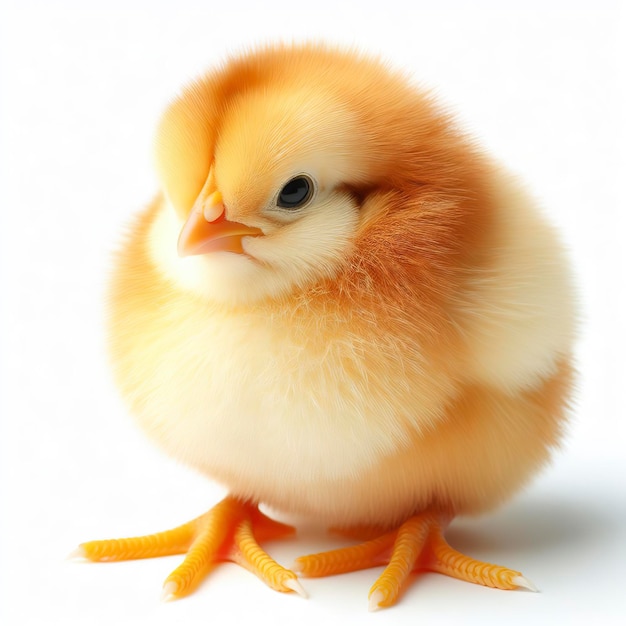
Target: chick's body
[
  {"x": 401, "y": 341},
  {"x": 332, "y": 404}
]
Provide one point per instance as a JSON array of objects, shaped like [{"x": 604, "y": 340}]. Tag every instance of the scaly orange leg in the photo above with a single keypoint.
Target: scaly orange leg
[
  {"x": 228, "y": 532},
  {"x": 418, "y": 544}
]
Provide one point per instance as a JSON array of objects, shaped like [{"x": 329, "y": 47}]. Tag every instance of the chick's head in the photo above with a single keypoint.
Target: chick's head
[
  {"x": 268, "y": 164},
  {"x": 280, "y": 166}
]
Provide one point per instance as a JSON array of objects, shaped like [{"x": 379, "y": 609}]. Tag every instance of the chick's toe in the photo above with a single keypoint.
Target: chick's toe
[
  {"x": 230, "y": 531},
  {"x": 417, "y": 545}
]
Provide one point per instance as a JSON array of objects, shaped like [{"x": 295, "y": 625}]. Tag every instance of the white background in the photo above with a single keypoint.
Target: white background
[{"x": 81, "y": 87}]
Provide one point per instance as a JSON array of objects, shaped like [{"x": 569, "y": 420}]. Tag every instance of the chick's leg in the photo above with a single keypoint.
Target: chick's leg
[
  {"x": 417, "y": 545},
  {"x": 228, "y": 532}
]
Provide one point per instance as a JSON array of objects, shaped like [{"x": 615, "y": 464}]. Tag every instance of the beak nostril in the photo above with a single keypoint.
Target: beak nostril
[
  {"x": 213, "y": 213},
  {"x": 213, "y": 207}
]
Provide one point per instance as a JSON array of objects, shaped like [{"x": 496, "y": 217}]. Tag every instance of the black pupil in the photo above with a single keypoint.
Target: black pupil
[{"x": 294, "y": 193}]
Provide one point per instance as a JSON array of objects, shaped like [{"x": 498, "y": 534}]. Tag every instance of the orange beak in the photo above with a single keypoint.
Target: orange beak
[{"x": 208, "y": 230}]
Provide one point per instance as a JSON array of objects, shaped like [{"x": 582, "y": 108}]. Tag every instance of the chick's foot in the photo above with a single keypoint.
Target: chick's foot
[
  {"x": 228, "y": 532},
  {"x": 417, "y": 545}
]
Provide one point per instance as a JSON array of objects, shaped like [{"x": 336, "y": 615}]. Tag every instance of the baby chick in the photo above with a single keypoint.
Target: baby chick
[{"x": 339, "y": 307}]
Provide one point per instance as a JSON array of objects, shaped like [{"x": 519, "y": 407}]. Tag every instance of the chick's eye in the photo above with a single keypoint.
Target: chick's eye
[{"x": 295, "y": 193}]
